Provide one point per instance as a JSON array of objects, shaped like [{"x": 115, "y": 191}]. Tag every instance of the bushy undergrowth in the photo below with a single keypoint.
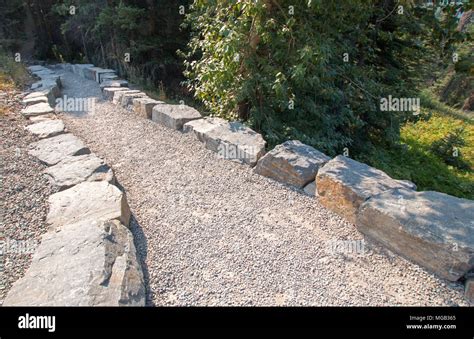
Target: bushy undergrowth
[
  {"x": 314, "y": 70},
  {"x": 417, "y": 160},
  {"x": 12, "y": 73}
]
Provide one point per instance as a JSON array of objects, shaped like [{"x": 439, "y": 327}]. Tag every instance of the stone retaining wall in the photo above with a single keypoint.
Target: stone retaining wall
[
  {"x": 434, "y": 230},
  {"x": 87, "y": 257}
]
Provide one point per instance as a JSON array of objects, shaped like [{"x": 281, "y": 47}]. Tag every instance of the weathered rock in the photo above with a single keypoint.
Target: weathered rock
[
  {"x": 469, "y": 289},
  {"x": 37, "y": 109},
  {"x": 114, "y": 83},
  {"x": 36, "y": 85},
  {"x": 109, "y": 92},
  {"x": 117, "y": 98},
  {"x": 43, "y": 73},
  {"x": 98, "y": 201},
  {"x": 143, "y": 106},
  {"x": 432, "y": 229},
  {"x": 47, "y": 128},
  {"x": 310, "y": 189},
  {"x": 343, "y": 184},
  {"x": 108, "y": 77},
  {"x": 34, "y": 100},
  {"x": 36, "y": 68},
  {"x": 36, "y": 94},
  {"x": 52, "y": 150},
  {"x": 292, "y": 162},
  {"x": 88, "y": 263},
  {"x": 43, "y": 92},
  {"x": 76, "y": 169},
  {"x": 105, "y": 74},
  {"x": 201, "y": 127},
  {"x": 47, "y": 80},
  {"x": 126, "y": 98},
  {"x": 174, "y": 116},
  {"x": 54, "y": 90},
  {"x": 89, "y": 72},
  {"x": 234, "y": 141},
  {"x": 40, "y": 118},
  {"x": 95, "y": 73},
  {"x": 52, "y": 82}
]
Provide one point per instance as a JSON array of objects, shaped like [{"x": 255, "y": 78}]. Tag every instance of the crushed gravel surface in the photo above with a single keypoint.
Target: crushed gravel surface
[{"x": 211, "y": 232}]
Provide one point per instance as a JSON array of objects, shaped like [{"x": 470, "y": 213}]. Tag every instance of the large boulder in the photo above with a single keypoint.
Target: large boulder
[
  {"x": 127, "y": 98},
  {"x": 40, "y": 118},
  {"x": 48, "y": 82},
  {"x": 433, "y": 229},
  {"x": 231, "y": 140},
  {"x": 201, "y": 127},
  {"x": 44, "y": 73},
  {"x": 89, "y": 263},
  {"x": 34, "y": 100},
  {"x": 108, "y": 77},
  {"x": 76, "y": 169},
  {"x": 96, "y": 200},
  {"x": 52, "y": 150},
  {"x": 292, "y": 163},
  {"x": 36, "y": 68},
  {"x": 48, "y": 93},
  {"x": 143, "y": 106},
  {"x": 95, "y": 73},
  {"x": 40, "y": 108},
  {"x": 114, "y": 83},
  {"x": 235, "y": 141},
  {"x": 343, "y": 184},
  {"x": 46, "y": 129},
  {"x": 101, "y": 74},
  {"x": 174, "y": 116},
  {"x": 53, "y": 89},
  {"x": 117, "y": 96},
  {"x": 108, "y": 92}
]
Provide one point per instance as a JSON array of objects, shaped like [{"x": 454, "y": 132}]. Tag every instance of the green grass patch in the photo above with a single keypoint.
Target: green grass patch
[
  {"x": 415, "y": 160},
  {"x": 12, "y": 74}
]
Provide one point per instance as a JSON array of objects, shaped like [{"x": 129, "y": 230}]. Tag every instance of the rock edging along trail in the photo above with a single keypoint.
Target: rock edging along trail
[
  {"x": 347, "y": 187},
  {"x": 87, "y": 257},
  {"x": 343, "y": 188}
]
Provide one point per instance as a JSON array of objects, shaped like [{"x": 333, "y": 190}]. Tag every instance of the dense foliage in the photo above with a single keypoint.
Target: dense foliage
[
  {"x": 314, "y": 70},
  {"x": 11, "y": 27},
  {"x": 139, "y": 38},
  {"x": 425, "y": 155},
  {"x": 146, "y": 31}
]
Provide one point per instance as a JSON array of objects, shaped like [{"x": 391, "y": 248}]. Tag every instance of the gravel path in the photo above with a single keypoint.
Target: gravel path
[
  {"x": 211, "y": 232},
  {"x": 24, "y": 193}
]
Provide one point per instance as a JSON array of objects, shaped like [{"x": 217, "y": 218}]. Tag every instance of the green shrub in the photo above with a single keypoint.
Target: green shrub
[
  {"x": 284, "y": 71},
  {"x": 12, "y": 73}
]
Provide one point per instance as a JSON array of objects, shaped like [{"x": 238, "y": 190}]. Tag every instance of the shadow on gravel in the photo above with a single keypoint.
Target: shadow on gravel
[
  {"x": 140, "y": 242},
  {"x": 141, "y": 245}
]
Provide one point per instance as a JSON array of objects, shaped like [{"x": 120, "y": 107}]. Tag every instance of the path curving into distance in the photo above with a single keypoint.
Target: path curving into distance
[{"x": 211, "y": 232}]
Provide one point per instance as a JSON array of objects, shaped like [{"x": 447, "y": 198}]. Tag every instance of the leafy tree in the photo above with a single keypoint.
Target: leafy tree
[{"x": 312, "y": 70}]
